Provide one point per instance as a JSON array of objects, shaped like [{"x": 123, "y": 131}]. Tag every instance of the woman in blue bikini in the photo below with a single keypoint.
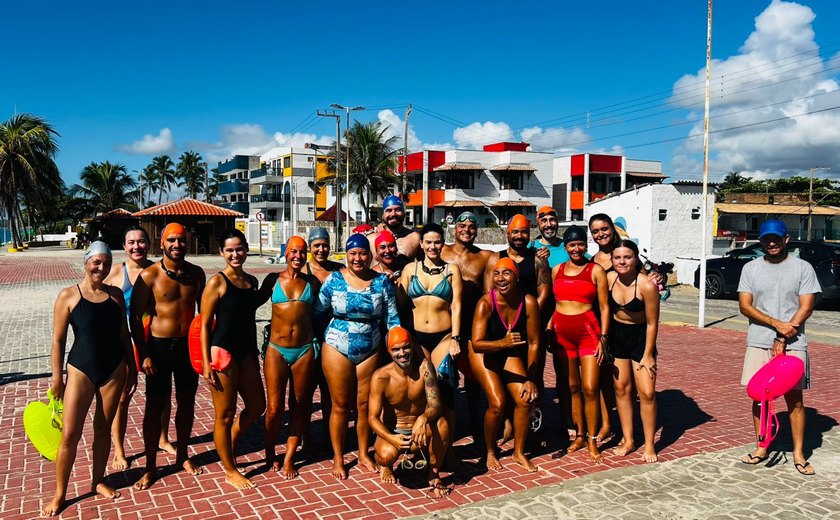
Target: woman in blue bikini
[
  {"x": 359, "y": 299},
  {"x": 291, "y": 353}
]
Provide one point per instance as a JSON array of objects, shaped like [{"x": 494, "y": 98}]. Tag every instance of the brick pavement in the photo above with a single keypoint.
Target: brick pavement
[{"x": 702, "y": 410}]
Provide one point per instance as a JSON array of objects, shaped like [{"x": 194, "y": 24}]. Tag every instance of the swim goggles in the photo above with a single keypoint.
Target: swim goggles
[{"x": 406, "y": 463}]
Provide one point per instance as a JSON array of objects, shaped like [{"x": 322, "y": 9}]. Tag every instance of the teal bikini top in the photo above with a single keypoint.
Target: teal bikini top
[
  {"x": 279, "y": 295},
  {"x": 442, "y": 290}
]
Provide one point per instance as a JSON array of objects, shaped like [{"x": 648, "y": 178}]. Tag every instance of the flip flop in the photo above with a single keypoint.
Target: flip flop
[
  {"x": 754, "y": 459},
  {"x": 801, "y": 468}
]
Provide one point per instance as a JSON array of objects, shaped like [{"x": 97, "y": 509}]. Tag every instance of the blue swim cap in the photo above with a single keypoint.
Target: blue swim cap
[
  {"x": 357, "y": 240},
  {"x": 318, "y": 233},
  {"x": 392, "y": 200}
]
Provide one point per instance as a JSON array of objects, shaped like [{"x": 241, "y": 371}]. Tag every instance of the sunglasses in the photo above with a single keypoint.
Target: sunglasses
[
  {"x": 547, "y": 214},
  {"x": 173, "y": 275},
  {"x": 464, "y": 218}
]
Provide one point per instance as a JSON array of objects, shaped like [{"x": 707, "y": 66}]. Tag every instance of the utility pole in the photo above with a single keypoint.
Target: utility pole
[
  {"x": 206, "y": 183},
  {"x": 811, "y": 197},
  {"x": 335, "y": 186},
  {"x": 347, "y": 155},
  {"x": 701, "y": 315},
  {"x": 405, "y": 152}
]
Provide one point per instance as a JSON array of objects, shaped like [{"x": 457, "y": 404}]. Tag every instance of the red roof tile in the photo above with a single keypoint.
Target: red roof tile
[
  {"x": 118, "y": 213},
  {"x": 189, "y": 207}
]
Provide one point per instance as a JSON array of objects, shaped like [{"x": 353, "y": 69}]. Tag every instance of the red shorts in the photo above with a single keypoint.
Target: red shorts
[{"x": 578, "y": 334}]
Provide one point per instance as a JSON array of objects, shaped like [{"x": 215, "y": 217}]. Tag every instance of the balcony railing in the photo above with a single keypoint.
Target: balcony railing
[
  {"x": 270, "y": 197},
  {"x": 239, "y": 205},
  {"x": 234, "y": 186}
]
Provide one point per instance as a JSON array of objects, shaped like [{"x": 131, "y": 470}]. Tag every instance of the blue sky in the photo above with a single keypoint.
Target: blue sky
[{"x": 126, "y": 81}]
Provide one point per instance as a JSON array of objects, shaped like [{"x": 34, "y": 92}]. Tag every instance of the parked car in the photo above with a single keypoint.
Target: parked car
[{"x": 723, "y": 274}]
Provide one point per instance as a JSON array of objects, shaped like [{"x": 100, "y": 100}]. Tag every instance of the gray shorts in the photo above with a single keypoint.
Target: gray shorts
[{"x": 755, "y": 358}]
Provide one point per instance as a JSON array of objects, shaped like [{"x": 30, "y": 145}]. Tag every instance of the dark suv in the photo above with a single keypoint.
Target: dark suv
[{"x": 723, "y": 274}]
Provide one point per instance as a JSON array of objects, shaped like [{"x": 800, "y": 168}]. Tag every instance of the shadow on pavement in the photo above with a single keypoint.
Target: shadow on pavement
[
  {"x": 816, "y": 424},
  {"x": 14, "y": 377},
  {"x": 677, "y": 414}
]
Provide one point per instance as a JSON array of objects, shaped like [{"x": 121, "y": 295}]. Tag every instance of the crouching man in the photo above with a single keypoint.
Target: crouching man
[{"x": 405, "y": 411}]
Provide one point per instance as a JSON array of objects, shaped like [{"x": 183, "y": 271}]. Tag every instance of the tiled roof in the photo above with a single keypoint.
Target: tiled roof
[
  {"x": 329, "y": 215},
  {"x": 118, "y": 213},
  {"x": 189, "y": 207},
  {"x": 514, "y": 204},
  {"x": 460, "y": 166},
  {"x": 512, "y": 167},
  {"x": 460, "y": 204}
]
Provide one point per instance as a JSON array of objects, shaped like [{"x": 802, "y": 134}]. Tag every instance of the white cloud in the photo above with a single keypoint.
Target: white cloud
[
  {"x": 477, "y": 135},
  {"x": 252, "y": 139},
  {"x": 777, "y": 74},
  {"x": 150, "y": 144},
  {"x": 558, "y": 140}
]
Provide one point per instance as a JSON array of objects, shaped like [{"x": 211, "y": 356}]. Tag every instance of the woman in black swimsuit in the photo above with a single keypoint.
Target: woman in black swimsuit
[
  {"x": 634, "y": 308},
  {"x": 505, "y": 342},
  {"x": 231, "y": 297},
  {"x": 96, "y": 367}
]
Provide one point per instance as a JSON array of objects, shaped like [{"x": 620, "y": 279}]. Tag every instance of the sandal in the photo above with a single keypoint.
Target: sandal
[
  {"x": 438, "y": 486},
  {"x": 751, "y": 460},
  {"x": 803, "y": 468}
]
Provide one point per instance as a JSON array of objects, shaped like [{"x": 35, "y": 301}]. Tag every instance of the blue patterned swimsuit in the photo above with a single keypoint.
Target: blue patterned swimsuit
[{"x": 357, "y": 314}]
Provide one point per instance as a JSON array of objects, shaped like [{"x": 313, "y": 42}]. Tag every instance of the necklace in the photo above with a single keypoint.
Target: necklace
[{"x": 432, "y": 271}]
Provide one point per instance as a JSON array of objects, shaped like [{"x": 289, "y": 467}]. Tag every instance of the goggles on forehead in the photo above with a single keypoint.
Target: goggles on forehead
[
  {"x": 463, "y": 217},
  {"x": 551, "y": 213}
]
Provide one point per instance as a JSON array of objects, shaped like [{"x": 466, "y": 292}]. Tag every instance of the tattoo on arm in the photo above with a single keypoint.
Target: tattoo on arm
[
  {"x": 433, "y": 403},
  {"x": 545, "y": 272}
]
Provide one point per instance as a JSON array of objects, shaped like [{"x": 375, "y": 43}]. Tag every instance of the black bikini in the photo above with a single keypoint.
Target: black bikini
[
  {"x": 634, "y": 305},
  {"x": 97, "y": 350}
]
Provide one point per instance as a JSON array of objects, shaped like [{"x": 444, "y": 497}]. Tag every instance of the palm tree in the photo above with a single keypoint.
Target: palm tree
[
  {"x": 147, "y": 180},
  {"x": 190, "y": 171},
  {"x": 164, "y": 170},
  {"x": 372, "y": 161},
  {"x": 105, "y": 186},
  {"x": 213, "y": 185},
  {"x": 28, "y": 173}
]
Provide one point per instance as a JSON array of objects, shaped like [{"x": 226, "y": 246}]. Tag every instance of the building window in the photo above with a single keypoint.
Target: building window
[
  {"x": 287, "y": 162},
  {"x": 358, "y": 216},
  {"x": 663, "y": 214},
  {"x": 577, "y": 183},
  {"x": 577, "y": 214},
  {"x": 695, "y": 214},
  {"x": 460, "y": 180},
  {"x": 511, "y": 180}
]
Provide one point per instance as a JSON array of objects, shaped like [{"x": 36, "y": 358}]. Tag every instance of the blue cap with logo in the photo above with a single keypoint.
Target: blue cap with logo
[{"x": 772, "y": 227}]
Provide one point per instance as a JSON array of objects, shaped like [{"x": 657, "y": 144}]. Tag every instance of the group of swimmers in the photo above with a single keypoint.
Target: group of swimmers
[{"x": 436, "y": 310}]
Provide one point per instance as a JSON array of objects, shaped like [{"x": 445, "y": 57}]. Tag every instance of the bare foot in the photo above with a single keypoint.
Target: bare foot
[
  {"x": 167, "y": 446},
  {"x": 53, "y": 507},
  {"x": 524, "y": 461},
  {"x": 369, "y": 463},
  {"x": 493, "y": 462},
  {"x": 438, "y": 489},
  {"x": 105, "y": 491},
  {"x": 119, "y": 463},
  {"x": 650, "y": 454},
  {"x": 594, "y": 453},
  {"x": 238, "y": 481},
  {"x": 273, "y": 464},
  {"x": 756, "y": 457},
  {"x": 578, "y": 443},
  {"x": 507, "y": 433},
  {"x": 146, "y": 480},
  {"x": 624, "y": 448},
  {"x": 386, "y": 475},
  {"x": 339, "y": 470},
  {"x": 289, "y": 472},
  {"x": 190, "y": 467}
]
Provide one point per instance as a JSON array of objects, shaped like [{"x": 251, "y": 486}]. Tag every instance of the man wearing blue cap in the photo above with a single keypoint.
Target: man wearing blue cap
[
  {"x": 408, "y": 241},
  {"x": 777, "y": 293}
]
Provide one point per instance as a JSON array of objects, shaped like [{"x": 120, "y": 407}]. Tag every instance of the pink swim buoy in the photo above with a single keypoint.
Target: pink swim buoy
[{"x": 776, "y": 378}]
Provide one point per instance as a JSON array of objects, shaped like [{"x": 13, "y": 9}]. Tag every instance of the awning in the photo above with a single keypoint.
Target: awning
[
  {"x": 774, "y": 209},
  {"x": 474, "y": 166},
  {"x": 512, "y": 167},
  {"x": 459, "y": 204},
  {"x": 513, "y": 204},
  {"x": 647, "y": 175}
]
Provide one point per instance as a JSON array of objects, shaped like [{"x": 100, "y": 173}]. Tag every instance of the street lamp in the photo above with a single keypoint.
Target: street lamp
[
  {"x": 347, "y": 155},
  {"x": 317, "y": 149}
]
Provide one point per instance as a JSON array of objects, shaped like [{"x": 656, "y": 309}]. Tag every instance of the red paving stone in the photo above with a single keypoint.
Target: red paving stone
[
  {"x": 20, "y": 269},
  {"x": 702, "y": 408}
]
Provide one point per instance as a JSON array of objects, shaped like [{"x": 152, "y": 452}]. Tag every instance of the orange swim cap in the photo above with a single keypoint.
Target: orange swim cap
[
  {"x": 173, "y": 228},
  {"x": 518, "y": 221},
  {"x": 546, "y": 210},
  {"x": 296, "y": 242},
  {"x": 507, "y": 263},
  {"x": 398, "y": 336}
]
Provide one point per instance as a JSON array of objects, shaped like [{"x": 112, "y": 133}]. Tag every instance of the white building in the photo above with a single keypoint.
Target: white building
[{"x": 664, "y": 219}]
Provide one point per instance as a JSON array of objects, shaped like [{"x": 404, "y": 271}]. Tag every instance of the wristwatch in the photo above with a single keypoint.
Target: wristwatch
[{"x": 457, "y": 338}]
